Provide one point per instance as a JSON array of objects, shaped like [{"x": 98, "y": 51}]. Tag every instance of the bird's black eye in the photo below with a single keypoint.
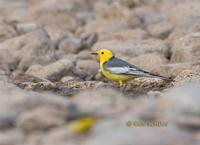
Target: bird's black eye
[{"x": 102, "y": 52}]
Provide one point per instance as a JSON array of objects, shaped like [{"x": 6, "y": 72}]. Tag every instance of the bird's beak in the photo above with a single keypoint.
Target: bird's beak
[{"x": 94, "y": 53}]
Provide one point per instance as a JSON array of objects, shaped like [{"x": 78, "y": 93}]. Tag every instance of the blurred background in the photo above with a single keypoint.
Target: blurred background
[{"x": 51, "y": 89}]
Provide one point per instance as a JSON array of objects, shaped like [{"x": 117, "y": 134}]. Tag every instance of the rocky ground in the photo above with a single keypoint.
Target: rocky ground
[{"x": 52, "y": 79}]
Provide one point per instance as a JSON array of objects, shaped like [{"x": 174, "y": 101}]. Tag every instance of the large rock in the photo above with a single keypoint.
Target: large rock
[
  {"x": 24, "y": 100},
  {"x": 117, "y": 133},
  {"x": 30, "y": 111},
  {"x": 26, "y": 50},
  {"x": 9, "y": 91},
  {"x": 70, "y": 45},
  {"x": 60, "y": 135},
  {"x": 101, "y": 101},
  {"x": 7, "y": 118},
  {"x": 186, "y": 112},
  {"x": 171, "y": 69},
  {"x": 53, "y": 71},
  {"x": 42, "y": 118},
  {"x": 57, "y": 34}
]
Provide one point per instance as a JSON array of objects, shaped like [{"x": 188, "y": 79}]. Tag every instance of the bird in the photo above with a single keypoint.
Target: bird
[{"x": 118, "y": 70}]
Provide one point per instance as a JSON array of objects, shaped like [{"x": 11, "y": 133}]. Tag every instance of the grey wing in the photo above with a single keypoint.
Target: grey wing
[{"x": 118, "y": 66}]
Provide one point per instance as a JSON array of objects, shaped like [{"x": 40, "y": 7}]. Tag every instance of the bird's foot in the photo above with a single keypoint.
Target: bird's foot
[{"x": 123, "y": 87}]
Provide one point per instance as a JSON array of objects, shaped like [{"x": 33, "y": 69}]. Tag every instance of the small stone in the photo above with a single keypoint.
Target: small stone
[
  {"x": 70, "y": 45},
  {"x": 88, "y": 39},
  {"x": 7, "y": 119},
  {"x": 78, "y": 85},
  {"x": 148, "y": 16},
  {"x": 39, "y": 86},
  {"x": 86, "y": 69},
  {"x": 27, "y": 27},
  {"x": 68, "y": 78},
  {"x": 133, "y": 21},
  {"x": 186, "y": 49},
  {"x": 129, "y": 3},
  {"x": 160, "y": 30},
  {"x": 6, "y": 31},
  {"x": 85, "y": 54}
]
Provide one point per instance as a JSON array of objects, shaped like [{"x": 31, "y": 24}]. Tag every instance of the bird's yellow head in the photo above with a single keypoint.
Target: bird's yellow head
[{"x": 104, "y": 55}]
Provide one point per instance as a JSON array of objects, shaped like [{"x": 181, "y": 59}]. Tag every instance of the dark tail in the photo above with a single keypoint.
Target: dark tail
[{"x": 159, "y": 76}]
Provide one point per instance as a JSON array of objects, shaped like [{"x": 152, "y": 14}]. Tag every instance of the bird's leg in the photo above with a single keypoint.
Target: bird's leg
[
  {"x": 122, "y": 86},
  {"x": 125, "y": 86}
]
